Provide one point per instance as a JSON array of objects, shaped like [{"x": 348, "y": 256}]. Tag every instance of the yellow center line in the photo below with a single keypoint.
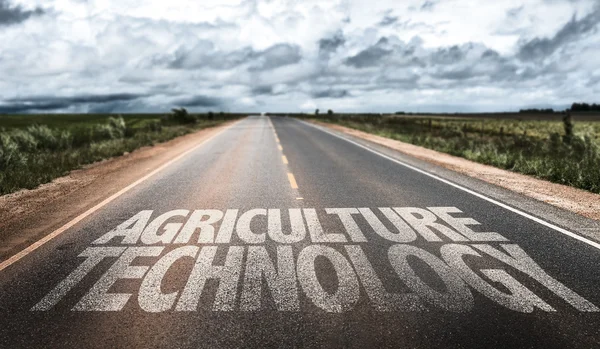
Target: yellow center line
[
  {"x": 291, "y": 177},
  {"x": 292, "y": 181}
]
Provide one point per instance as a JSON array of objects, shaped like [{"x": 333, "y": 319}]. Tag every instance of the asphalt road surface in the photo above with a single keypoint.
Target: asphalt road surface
[{"x": 275, "y": 233}]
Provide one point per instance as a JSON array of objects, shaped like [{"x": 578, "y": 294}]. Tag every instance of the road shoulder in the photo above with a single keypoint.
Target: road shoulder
[{"x": 571, "y": 208}]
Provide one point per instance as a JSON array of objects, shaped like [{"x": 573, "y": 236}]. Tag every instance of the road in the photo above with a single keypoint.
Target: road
[{"x": 275, "y": 233}]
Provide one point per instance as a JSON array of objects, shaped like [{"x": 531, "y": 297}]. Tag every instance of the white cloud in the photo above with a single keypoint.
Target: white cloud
[{"x": 284, "y": 55}]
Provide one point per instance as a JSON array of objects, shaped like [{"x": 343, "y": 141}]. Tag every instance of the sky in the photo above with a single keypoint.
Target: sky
[{"x": 111, "y": 56}]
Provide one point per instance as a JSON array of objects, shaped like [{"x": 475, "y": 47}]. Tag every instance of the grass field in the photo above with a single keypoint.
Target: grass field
[
  {"x": 544, "y": 147},
  {"x": 35, "y": 149}
]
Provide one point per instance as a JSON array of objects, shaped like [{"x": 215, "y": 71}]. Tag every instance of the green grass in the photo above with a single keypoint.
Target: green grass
[
  {"x": 35, "y": 149},
  {"x": 536, "y": 148},
  {"x": 70, "y": 121}
]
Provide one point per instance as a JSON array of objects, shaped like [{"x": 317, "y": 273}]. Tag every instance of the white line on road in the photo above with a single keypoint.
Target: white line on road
[
  {"x": 481, "y": 196},
  {"x": 82, "y": 216}
]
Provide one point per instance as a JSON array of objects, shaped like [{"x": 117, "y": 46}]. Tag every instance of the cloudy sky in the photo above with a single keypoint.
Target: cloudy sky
[{"x": 261, "y": 55}]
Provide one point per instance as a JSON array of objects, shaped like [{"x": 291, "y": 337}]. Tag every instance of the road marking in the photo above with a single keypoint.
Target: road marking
[
  {"x": 299, "y": 198},
  {"x": 292, "y": 181},
  {"x": 467, "y": 190},
  {"x": 291, "y": 177},
  {"x": 350, "y": 269},
  {"x": 10, "y": 261}
]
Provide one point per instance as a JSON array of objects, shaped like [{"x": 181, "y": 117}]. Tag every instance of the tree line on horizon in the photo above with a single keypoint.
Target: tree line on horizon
[{"x": 575, "y": 107}]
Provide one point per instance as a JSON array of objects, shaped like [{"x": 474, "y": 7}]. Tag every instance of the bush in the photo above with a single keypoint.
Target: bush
[
  {"x": 44, "y": 137},
  {"x": 118, "y": 126},
  {"x": 102, "y": 132},
  {"x": 154, "y": 126},
  {"x": 25, "y": 140},
  {"x": 64, "y": 139},
  {"x": 10, "y": 155},
  {"x": 114, "y": 129}
]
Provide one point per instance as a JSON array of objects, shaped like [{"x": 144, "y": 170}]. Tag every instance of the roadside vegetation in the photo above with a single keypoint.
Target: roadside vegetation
[
  {"x": 562, "y": 151},
  {"x": 35, "y": 149}
]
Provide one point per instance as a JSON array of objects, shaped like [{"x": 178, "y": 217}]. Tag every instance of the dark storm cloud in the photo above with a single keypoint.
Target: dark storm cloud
[
  {"x": 390, "y": 52},
  {"x": 371, "y": 56},
  {"x": 13, "y": 108},
  {"x": 276, "y": 56},
  {"x": 489, "y": 53},
  {"x": 459, "y": 63},
  {"x": 572, "y": 31},
  {"x": 330, "y": 93},
  {"x": 198, "y": 101},
  {"x": 448, "y": 55},
  {"x": 330, "y": 45},
  {"x": 428, "y": 5},
  {"x": 457, "y": 74},
  {"x": 204, "y": 56},
  {"x": 407, "y": 81},
  {"x": 262, "y": 90},
  {"x": 388, "y": 20},
  {"x": 48, "y": 103},
  {"x": 409, "y": 65},
  {"x": 137, "y": 105},
  {"x": 14, "y": 14}
]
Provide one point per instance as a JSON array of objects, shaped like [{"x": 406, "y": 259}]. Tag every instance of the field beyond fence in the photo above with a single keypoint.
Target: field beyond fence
[{"x": 562, "y": 151}]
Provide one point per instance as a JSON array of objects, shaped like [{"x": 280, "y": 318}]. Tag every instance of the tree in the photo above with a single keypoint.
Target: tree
[
  {"x": 583, "y": 107},
  {"x": 317, "y": 112},
  {"x": 182, "y": 116},
  {"x": 537, "y": 111},
  {"x": 330, "y": 112}
]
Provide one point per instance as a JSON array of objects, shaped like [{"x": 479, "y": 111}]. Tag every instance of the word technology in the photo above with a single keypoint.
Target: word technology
[{"x": 389, "y": 259}]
